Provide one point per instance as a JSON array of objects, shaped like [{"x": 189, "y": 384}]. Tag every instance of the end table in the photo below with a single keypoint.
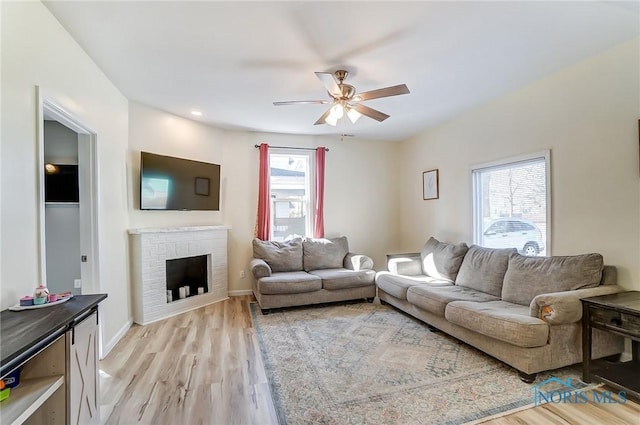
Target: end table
[{"x": 618, "y": 314}]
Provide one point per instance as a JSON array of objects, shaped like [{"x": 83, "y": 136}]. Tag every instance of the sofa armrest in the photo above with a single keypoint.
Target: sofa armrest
[
  {"x": 259, "y": 268},
  {"x": 558, "y": 308},
  {"x": 407, "y": 264},
  {"x": 357, "y": 262}
]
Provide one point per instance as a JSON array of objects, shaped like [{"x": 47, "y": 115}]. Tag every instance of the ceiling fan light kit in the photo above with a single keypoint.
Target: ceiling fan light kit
[
  {"x": 353, "y": 115},
  {"x": 345, "y": 99},
  {"x": 337, "y": 111}
]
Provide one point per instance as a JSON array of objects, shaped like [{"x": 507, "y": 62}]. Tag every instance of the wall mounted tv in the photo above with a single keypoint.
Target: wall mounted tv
[{"x": 168, "y": 183}]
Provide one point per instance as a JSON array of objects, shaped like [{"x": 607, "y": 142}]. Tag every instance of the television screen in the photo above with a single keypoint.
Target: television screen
[
  {"x": 168, "y": 183},
  {"x": 61, "y": 183}
]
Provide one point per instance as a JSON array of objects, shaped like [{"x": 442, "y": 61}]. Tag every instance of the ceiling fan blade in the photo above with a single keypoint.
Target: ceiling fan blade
[
  {"x": 385, "y": 92},
  {"x": 323, "y": 117},
  {"x": 370, "y": 112},
  {"x": 302, "y": 102},
  {"x": 329, "y": 83}
]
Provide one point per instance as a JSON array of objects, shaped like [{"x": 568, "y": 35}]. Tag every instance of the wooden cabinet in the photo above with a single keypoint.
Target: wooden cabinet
[
  {"x": 56, "y": 349},
  {"x": 40, "y": 397}
]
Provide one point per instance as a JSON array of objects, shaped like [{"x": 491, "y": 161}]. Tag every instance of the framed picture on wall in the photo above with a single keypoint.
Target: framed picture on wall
[
  {"x": 430, "y": 185},
  {"x": 202, "y": 186}
]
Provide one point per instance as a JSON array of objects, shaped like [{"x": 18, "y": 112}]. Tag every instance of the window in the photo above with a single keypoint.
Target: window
[
  {"x": 511, "y": 204},
  {"x": 291, "y": 177}
]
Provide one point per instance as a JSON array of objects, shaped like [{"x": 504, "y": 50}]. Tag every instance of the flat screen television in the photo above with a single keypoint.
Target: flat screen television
[
  {"x": 169, "y": 183},
  {"x": 61, "y": 183}
]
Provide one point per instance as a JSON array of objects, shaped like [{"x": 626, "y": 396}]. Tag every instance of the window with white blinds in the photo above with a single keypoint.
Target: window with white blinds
[{"x": 511, "y": 204}]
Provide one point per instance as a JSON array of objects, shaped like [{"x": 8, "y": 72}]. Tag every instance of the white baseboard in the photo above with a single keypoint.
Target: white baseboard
[
  {"x": 177, "y": 313},
  {"x": 107, "y": 348},
  {"x": 240, "y": 292}
]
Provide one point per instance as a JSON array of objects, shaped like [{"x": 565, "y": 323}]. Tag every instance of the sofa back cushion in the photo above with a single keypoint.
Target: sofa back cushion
[
  {"x": 442, "y": 260},
  {"x": 483, "y": 269},
  {"x": 280, "y": 256},
  {"x": 320, "y": 253},
  {"x": 527, "y": 277}
]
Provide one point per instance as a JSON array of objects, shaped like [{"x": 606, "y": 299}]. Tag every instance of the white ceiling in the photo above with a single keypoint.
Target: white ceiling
[{"x": 231, "y": 60}]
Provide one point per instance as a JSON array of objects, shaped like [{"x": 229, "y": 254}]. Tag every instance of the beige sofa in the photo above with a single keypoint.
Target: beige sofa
[
  {"x": 309, "y": 271},
  {"x": 524, "y": 311}
]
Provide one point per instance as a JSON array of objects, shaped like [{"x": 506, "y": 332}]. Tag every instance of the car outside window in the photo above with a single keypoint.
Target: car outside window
[{"x": 511, "y": 204}]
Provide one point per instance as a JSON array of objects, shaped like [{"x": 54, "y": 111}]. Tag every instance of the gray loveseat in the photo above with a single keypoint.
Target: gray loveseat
[
  {"x": 524, "y": 311},
  {"x": 309, "y": 271}
]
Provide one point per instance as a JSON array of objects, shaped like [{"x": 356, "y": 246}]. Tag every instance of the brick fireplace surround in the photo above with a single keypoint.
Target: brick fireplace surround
[{"x": 151, "y": 247}]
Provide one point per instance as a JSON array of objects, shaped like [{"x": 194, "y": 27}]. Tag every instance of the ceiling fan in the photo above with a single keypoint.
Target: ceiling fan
[{"x": 345, "y": 99}]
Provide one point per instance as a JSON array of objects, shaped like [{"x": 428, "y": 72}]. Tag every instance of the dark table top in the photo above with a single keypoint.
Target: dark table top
[
  {"x": 628, "y": 302},
  {"x": 23, "y": 331}
]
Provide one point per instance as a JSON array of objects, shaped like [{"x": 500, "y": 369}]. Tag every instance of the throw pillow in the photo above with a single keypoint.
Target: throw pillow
[
  {"x": 280, "y": 256},
  {"x": 320, "y": 253},
  {"x": 527, "y": 277},
  {"x": 442, "y": 260},
  {"x": 483, "y": 269}
]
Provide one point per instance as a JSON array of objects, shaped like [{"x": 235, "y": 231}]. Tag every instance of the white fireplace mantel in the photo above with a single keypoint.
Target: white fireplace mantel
[
  {"x": 152, "y": 247},
  {"x": 176, "y": 229}
]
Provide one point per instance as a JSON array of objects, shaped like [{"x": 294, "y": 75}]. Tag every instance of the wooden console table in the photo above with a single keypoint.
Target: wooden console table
[
  {"x": 56, "y": 349},
  {"x": 618, "y": 314}
]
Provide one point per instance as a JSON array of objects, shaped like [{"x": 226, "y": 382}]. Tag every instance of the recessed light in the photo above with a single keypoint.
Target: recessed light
[
  {"x": 196, "y": 113},
  {"x": 51, "y": 168}
]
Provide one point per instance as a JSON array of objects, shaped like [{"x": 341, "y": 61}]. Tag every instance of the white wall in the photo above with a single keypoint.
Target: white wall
[
  {"x": 587, "y": 115},
  {"x": 36, "y": 50},
  {"x": 360, "y": 185}
]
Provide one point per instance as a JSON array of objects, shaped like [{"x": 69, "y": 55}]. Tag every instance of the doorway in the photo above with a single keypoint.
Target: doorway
[{"x": 67, "y": 201}]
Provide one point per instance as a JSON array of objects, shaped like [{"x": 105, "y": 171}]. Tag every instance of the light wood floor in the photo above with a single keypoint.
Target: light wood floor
[
  {"x": 205, "y": 367},
  {"x": 570, "y": 414},
  {"x": 201, "y": 367}
]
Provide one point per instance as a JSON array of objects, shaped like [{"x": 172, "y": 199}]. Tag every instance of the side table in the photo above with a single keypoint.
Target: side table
[{"x": 618, "y": 314}]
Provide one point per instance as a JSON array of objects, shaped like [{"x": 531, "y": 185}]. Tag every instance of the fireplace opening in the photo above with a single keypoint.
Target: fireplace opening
[{"x": 186, "y": 277}]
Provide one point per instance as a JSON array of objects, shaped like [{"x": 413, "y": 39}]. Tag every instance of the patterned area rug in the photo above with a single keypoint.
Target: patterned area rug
[{"x": 364, "y": 363}]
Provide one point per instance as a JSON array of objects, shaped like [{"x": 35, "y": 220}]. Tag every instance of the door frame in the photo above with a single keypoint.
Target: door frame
[{"x": 49, "y": 108}]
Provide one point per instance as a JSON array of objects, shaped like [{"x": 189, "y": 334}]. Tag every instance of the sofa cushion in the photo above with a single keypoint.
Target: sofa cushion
[
  {"x": 435, "y": 300},
  {"x": 320, "y": 253},
  {"x": 442, "y": 260},
  {"x": 333, "y": 279},
  {"x": 289, "y": 283},
  {"x": 483, "y": 269},
  {"x": 527, "y": 277},
  {"x": 397, "y": 285},
  {"x": 280, "y": 256},
  {"x": 500, "y": 320}
]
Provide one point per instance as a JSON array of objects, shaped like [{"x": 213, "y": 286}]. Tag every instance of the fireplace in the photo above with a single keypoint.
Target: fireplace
[
  {"x": 171, "y": 258},
  {"x": 187, "y": 277}
]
